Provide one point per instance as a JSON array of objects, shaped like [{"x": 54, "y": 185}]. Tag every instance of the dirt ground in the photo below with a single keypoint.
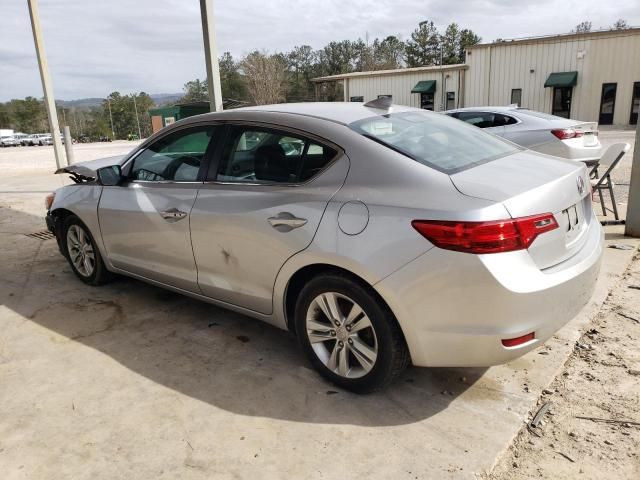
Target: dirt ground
[{"x": 601, "y": 380}]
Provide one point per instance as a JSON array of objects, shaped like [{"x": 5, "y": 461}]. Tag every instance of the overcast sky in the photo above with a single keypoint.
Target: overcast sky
[{"x": 99, "y": 46}]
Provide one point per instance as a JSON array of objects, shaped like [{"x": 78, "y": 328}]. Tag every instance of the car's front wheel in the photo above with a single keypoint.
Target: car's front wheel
[
  {"x": 82, "y": 253},
  {"x": 350, "y": 335}
]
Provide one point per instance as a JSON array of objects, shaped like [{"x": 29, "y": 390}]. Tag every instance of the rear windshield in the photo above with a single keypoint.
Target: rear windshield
[{"x": 435, "y": 140}]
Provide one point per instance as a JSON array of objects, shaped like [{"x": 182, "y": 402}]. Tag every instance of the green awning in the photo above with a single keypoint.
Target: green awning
[
  {"x": 562, "y": 79},
  {"x": 425, "y": 86}
]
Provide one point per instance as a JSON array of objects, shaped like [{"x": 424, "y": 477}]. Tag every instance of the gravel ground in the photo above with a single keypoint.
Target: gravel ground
[{"x": 601, "y": 380}]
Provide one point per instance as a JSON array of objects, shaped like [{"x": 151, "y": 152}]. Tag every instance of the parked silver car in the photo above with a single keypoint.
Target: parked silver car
[
  {"x": 537, "y": 131},
  {"x": 8, "y": 141},
  {"x": 380, "y": 236}
]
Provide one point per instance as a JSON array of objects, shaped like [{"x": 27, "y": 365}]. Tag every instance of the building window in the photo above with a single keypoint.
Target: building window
[
  {"x": 426, "y": 101},
  {"x": 635, "y": 104},
  {"x": 451, "y": 100},
  {"x": 356, "y": 99},
  {"x": 607, "y": 103},
  {"x": 390, "y": 97},
  {"x": 561, "y": 105},
  {"x": 516, "y": 97}
]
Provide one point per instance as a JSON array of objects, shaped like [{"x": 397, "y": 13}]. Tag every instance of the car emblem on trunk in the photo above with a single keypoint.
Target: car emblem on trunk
[{"x": 580, "y": 182}]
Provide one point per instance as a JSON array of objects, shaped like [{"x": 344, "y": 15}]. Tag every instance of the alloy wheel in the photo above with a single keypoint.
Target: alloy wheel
[
  {"x": 81, "y": 250},
  {"x": 341, "y": 335}
]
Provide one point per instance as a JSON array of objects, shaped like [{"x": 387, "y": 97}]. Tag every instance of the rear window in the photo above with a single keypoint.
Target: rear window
[{"x": 435, "y": 140}]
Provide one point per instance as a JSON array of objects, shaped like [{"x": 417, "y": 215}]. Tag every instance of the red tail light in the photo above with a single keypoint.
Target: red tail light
[
  {"x": 567, "y": 133},
  {"x": 514, "y": 342},
  {"x": 486, "y": 237}
]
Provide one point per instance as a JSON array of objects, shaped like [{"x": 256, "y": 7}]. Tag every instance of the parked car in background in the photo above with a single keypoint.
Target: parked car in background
[
  {"x": 380, "y": 237},
  {"x": 20, "y": 137},
  {"x": 45, "y": 139},
  {"x": 8, "y": 141},
  {"x": 27, "y": 141},
  {"x": 35, "y": 139},
  {"x": 537, "y": 131}
]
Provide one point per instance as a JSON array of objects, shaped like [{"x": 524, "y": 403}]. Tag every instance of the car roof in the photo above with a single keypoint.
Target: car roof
[{"x": 339, "y": 112}]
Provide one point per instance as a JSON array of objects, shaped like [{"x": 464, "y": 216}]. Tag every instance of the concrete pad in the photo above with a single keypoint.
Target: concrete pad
[{"x": 130, "y": 381}]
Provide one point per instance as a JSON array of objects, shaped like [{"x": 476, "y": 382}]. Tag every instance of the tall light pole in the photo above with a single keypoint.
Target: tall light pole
[
  {"x": 46, "y": 83},
  {"x": 135, "y": 107},
  {"x": 211, "y": 55}
]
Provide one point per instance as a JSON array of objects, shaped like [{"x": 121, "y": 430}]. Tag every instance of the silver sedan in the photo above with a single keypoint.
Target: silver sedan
[
  {"x": 381, "y": 236},
  {"x": 537, "y": 131}
]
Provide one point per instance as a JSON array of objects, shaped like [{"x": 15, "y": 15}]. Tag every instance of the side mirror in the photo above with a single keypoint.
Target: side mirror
[{"x": 109, "y": 176}]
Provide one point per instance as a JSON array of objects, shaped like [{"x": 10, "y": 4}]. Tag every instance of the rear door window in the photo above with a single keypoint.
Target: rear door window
[{"x": 256, "y": 155}]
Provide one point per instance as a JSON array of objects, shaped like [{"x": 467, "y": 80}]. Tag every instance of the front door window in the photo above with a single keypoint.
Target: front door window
[
  {"x": 562, "y": 101},
  {"x": 607, "y": 103},
  {"x": 176, "y": 157}
]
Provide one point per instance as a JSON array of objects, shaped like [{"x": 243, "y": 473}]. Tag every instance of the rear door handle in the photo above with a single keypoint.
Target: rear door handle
[
  {"x": 285, "y": 222},
  {"x": 173, "y": 215}
]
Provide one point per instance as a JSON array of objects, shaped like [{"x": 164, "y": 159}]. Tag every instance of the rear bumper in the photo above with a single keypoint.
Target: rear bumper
[
  {"x": 455, "y": 308},
  {"x": 562, "y": 149}
]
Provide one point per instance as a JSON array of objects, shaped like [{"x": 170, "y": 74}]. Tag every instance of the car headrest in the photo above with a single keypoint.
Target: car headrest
[{"x": 271, "y": 164}]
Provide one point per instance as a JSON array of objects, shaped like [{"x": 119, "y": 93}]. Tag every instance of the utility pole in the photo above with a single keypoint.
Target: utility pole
[
  {"x": 632, "y": 223},
  {"x": 46, "y": 83},
  {"x": 211, "y": 55},
  {"x": 135, "y": 106},
  {"x": 113, "y": 134}
]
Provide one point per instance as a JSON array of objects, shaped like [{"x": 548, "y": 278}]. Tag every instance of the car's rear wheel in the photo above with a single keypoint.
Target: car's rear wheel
[
  {"x": 82, "y": 253},
  {"x": 350, "y": 335}
]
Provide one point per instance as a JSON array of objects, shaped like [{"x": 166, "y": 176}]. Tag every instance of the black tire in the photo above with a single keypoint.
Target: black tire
[
  {"x": 392, "y": 353},
  {"x": 99, "y": 275}
]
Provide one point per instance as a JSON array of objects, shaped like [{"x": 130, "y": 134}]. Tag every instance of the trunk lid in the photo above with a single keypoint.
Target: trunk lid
[
  {"x": 528, "y": 183},
  {"x": 589, "y": 131}
]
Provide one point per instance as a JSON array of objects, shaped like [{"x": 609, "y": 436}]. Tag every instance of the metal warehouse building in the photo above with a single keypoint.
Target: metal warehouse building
[{"x": 591, "y": 76}]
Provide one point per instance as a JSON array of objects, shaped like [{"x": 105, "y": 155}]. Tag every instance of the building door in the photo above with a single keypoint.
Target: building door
[
  {"x": 451, "y": 100},
  {"x": 607, "y": 103},
  {"x": 426, "y": 101},
  {"x": 562, "y": 101},
  {"x": 635, "y": 104}
]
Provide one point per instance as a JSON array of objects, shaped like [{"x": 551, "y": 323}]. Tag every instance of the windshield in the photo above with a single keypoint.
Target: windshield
[{"x": 435, "y": 140}]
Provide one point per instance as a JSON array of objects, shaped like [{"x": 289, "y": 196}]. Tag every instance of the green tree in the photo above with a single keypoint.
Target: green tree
[
  {"x": 388, "y": 53},
  {"x": 451, "y": 45},
  {"x": 467, "y": 39},
  {"x": 195, "y": 91},
  {"x": 231, "y": 81},
  {"x": 302, "y": 64},
  {"x": 423, "y": 48}
]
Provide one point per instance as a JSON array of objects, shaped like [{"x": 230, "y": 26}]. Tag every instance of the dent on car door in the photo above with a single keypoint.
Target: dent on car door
[
  {"x": 262, "y": 205},
  {"x": 145, "y": 220}
]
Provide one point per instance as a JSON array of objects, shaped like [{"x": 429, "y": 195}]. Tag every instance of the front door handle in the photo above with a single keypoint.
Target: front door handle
[
  {"x": 285, "y": 222},
  {"x": 173, "y": 215}
]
